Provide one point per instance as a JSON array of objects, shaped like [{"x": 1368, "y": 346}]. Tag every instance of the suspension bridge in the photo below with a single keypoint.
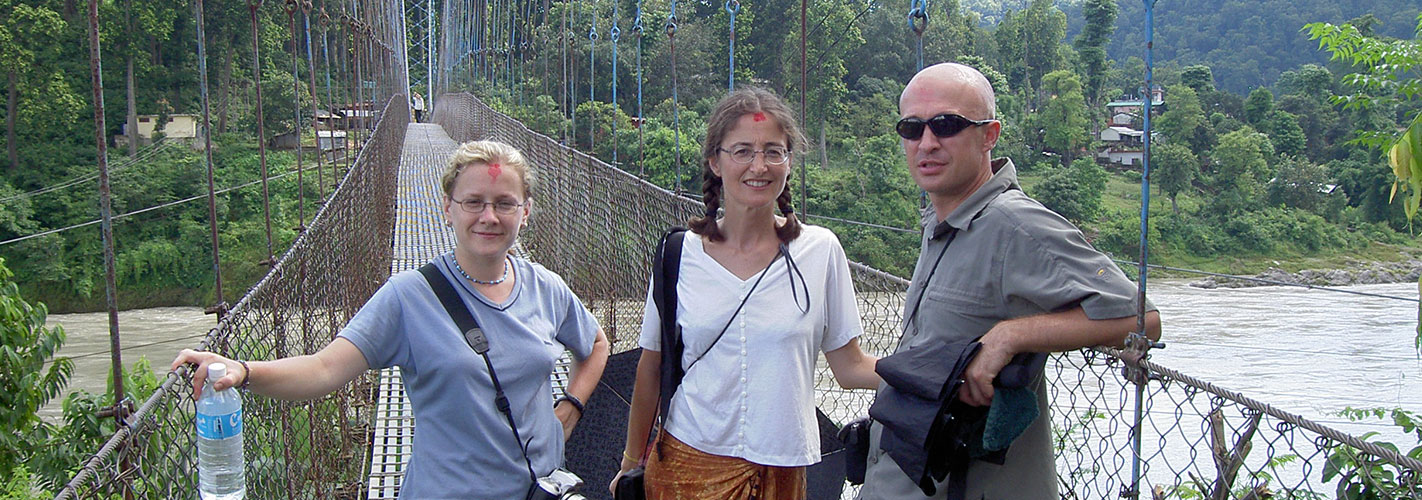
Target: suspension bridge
[{"x": 1125, "y": 426}]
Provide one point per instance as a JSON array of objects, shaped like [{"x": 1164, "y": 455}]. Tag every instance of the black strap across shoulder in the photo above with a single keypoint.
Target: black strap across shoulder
[
  {"x": 666, "y": 267},
  {"x": 474, "y": 336}
]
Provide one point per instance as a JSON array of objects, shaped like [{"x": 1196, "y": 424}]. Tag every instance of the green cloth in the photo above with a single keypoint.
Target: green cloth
[{"x": 1012, "y": 411}]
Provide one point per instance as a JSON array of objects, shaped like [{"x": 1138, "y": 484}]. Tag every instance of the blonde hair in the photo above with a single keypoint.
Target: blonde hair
[{"x": 486, "y": 153}]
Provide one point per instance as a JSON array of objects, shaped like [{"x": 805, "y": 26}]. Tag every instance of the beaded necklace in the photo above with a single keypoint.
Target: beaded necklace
[{"x": 482, "y": 282}]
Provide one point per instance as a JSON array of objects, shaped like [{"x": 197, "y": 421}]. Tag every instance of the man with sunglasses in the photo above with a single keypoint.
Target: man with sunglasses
[{"x": 1017, "y": 276}]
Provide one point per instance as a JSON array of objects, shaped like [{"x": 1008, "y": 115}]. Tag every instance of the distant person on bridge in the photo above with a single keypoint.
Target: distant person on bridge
[
  {"x": 759, "y": 296},
  {"x": 417, "y": 103},
  {"x": 463, "y": 445},
  {"x": 1017, "y": 275}
]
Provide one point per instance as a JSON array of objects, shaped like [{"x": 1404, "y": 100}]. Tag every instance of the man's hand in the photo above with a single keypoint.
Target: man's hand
[{"x": 978, "y": 376}]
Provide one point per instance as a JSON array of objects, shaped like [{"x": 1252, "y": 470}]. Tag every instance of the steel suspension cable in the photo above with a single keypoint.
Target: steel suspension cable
[
  {"x": 592, "y": 79},
  {"x": 96, "y": 77},
  {"x": 220, "y": 308},
  {"x": 918, "y": 23},
  {"x": 563, "y": 36},
  {"x": 804, "y": 86},
  {"x": 641, "y": 118},
  {"x": 324, "y": 21},
  {"x": 614, "y": 34},
  {"x": 252, "y": 6},
  {"x": 291, "y": 8},
  {"x": 315, "y": 104},
  {"x": 676, "y": 118},
  {"x": 732, "y": 7}
]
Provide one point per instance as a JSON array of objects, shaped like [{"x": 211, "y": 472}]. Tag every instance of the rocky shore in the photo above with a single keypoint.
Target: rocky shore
[{"x": 1362, "y": 273}]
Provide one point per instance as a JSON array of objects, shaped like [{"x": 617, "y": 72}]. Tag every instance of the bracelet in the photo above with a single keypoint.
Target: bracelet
[
  {"x": 571, "y": 399},
  {"x": 246, "y": 376},
  {"x": 628, "y": 456}
]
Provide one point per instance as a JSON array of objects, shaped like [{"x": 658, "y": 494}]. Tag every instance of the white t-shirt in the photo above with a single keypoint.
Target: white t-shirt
[{"x": 752, "y": 395}]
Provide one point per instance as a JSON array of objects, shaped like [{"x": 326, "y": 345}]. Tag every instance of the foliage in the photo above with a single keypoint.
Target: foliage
[
  {"x": 21, "y": 486},
  {"x": 1063, "y": 116},
  {"x": 1174, "y": 168},
  {"x": 1090, "y": 46},
  {"x": 26, "y": 384},
  {"x": 1365, "y": 477},
  {"x": 1390, "y": 73},
  {"x": 1075, "y": 191}
]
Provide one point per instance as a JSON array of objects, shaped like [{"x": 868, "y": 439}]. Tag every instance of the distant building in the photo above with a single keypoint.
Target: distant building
[
  {"x": 178, "y": 126},
  {"x": 1122, "y": 140}
]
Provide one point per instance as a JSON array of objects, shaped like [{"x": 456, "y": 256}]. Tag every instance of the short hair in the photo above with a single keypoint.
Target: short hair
[{"x": 485, "y": 153}]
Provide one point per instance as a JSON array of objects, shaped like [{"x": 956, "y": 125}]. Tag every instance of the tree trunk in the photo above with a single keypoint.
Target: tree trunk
[
  {"x": 131, "y": 127},
  {"x": 131, "y": 124},
  {"x": 12, "y": 107},
  {"x": 224, "y": 84},
  {"x": 1173, "y": 207}
]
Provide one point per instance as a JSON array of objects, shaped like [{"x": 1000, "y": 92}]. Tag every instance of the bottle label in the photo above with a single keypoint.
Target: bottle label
[{"x": 219, "y": 426}]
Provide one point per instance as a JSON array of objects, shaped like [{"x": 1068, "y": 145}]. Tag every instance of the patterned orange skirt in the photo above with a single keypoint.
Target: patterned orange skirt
[{"x": 681, "y": 472}]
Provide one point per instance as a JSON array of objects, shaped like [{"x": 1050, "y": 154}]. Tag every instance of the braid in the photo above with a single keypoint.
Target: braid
[
  {"x": 711, "y": 196},
  {"x": 791, "y": 229}
]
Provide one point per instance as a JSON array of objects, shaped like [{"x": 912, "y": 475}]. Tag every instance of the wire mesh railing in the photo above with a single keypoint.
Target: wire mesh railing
[
  {"x": 596, "y": 225},
  {"x": 309, "y": 449}
]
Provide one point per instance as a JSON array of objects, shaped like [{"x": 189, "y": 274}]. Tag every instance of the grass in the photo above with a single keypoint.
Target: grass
[{"x": 1122, "y": 199}]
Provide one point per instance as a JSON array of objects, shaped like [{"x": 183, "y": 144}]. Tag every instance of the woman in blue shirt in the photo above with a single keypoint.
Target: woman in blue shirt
[{"x": 463, "y": 446}]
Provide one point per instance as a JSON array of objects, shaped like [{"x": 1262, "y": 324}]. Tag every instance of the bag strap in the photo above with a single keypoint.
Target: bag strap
[
  {"x": 666, "y": 268},
  {"x": 474, "y": 336}
]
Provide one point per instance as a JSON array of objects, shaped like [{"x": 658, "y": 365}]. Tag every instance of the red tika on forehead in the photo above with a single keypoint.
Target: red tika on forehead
[
  {"x": 759, "y": 116},
  {"x": 494, "y": 170}
]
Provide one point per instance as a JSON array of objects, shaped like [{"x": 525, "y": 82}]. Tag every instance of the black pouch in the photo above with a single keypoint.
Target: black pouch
[
  {"x": 632, "y": 485},
  {"x": 855, "y": 436}
]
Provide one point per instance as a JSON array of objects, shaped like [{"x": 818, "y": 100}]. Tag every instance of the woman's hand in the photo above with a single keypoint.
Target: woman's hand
[
  {"x": 235, "y": 373},
  {"x": 569, "y": 416},
  {"x": 627, "y": 464}
]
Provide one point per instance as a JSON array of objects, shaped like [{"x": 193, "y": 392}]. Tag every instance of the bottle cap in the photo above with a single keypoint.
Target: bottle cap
[{"x": 216, "y": 371}]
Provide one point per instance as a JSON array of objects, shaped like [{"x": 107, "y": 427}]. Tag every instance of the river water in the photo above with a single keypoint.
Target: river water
[{"x": 1309, "y": 352}]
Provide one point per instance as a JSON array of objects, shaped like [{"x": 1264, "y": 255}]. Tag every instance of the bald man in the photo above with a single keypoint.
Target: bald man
[{"x": 1017, "y": 275}]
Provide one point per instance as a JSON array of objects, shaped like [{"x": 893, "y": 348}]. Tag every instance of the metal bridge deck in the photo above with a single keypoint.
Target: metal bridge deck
[{"x": 420, "y": 235}]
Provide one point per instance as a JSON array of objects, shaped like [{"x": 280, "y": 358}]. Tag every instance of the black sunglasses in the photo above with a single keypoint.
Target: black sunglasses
[{"x": 943, "y": 126}]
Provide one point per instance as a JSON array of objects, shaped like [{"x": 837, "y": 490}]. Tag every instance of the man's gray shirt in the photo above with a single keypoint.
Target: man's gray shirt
[{"x": 1011, "y": 257}]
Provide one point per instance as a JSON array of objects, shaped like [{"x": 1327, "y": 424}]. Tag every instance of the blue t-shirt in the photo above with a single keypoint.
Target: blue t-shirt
[{"x": 463, "y": 446}]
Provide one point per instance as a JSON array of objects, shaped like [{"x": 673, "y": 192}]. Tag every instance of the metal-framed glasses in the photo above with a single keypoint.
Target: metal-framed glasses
[
  {"x": 943, "y": 126},
  {"x": 477, "y": 206},
  {"x": 773, "y": 155}
]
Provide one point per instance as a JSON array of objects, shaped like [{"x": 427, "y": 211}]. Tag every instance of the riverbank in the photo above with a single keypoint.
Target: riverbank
[{"x": 1362, "y": 273}]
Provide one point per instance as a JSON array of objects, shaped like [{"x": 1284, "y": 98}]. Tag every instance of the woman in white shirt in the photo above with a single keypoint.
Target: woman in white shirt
[{"x": 758, "y": 297}]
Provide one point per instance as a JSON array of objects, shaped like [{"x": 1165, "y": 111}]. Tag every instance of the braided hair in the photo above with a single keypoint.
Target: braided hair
[{"x": 723, "y": 119}]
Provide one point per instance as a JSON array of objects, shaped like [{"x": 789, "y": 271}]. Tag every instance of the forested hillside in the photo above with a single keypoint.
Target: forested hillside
[{"x": 1243, "y": 174}]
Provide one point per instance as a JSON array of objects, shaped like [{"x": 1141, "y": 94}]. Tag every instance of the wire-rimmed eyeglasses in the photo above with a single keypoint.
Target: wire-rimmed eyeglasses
[
  {"x": 477, "y": 206},
  {"x": 773, "y": 155}
]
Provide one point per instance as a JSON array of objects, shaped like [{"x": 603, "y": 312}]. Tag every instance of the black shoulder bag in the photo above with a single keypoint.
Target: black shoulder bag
[{"x": 474, "y": 336}]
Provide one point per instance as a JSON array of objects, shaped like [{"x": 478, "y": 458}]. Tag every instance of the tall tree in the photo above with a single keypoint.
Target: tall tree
[
  {"x": 1241, "y": 168},
  {"x": 1186, "y": 121},
  {"x": 1064, "y": 114},
  {"x": 1174, "y": 168},
  {"x": 1091, "y": 45},
  {"x": 1284, "y": 132},
  {"x": 27, "y": 42},
  {"x": 1258, "y": 105}
]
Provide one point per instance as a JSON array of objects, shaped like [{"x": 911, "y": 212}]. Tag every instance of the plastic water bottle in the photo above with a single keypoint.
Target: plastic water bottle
[{"x": 219, "y": 430}]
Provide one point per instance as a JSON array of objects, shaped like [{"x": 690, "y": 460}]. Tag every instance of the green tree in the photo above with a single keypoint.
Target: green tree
[
  {"x": 28, "y": 47},
  {"x": 1241, "y": 164},
  {"x": 1198, "y": 77},
  {"x": 1075, "y": 192},
  {"x": 1258, "y": 105},
  {"x": 1186, "y": 122},
  {"x": 1174, "y": 168},
  {"x": 1298, "y": 183},
  {"x": 1284, "y": 132},
  {"x": 1100, "y": 17},
  {"x": 1064, "y": 114},
  {"x": 26, "y": 383}
]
